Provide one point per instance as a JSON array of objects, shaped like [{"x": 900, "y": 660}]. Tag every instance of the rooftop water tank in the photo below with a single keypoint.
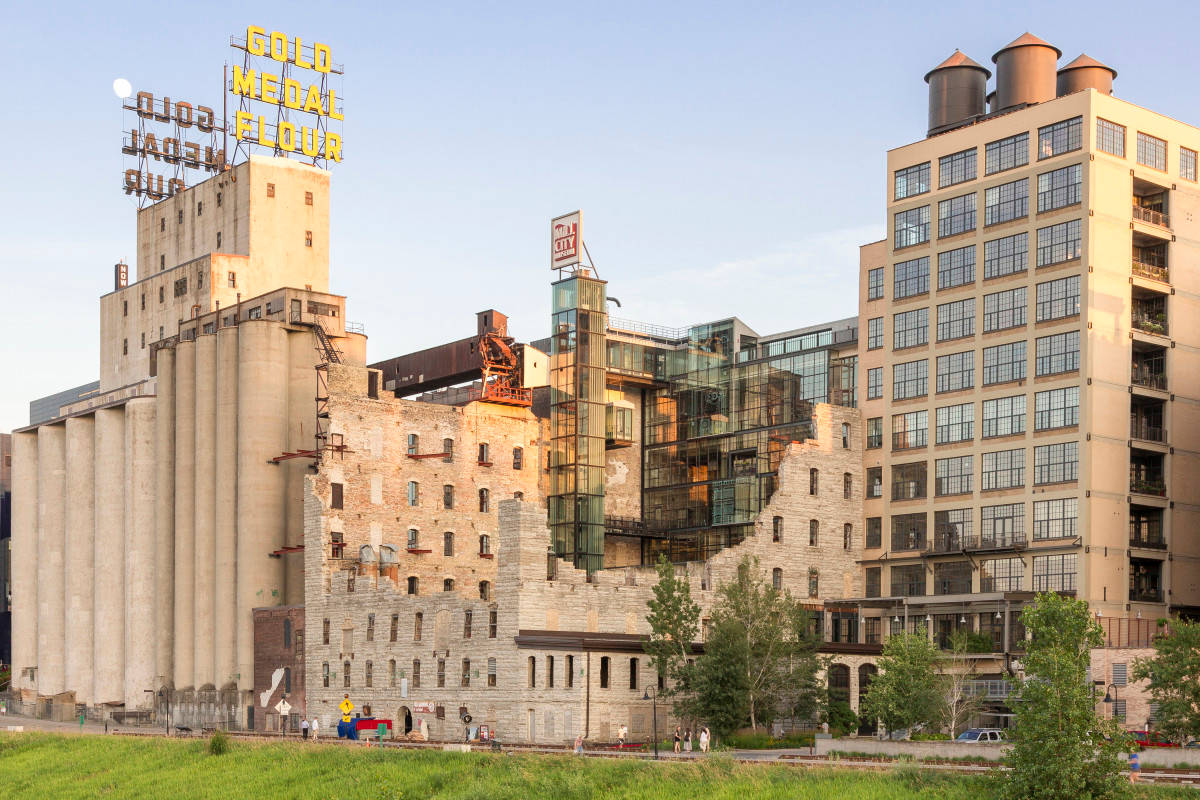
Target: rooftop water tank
[
  {"x": 1025, "y": 72},
  {"x": 1085, "y": 72},
  {"x": 956, "y": 89}
]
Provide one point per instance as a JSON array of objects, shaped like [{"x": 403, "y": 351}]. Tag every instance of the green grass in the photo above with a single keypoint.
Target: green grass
[{"x": 45, "y": 765}]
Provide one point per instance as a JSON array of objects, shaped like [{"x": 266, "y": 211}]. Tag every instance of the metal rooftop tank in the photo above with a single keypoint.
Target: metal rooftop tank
[
  {"x": 1085, "y": 72},
  {"x": 1025, "y": 72},
  {"x": 956, "y": 89}
]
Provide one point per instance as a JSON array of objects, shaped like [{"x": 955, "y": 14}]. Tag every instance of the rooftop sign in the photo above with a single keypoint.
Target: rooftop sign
[{"x": 565, "y": 244}]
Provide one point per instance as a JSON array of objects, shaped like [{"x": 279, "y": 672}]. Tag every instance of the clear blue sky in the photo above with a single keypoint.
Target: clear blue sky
[{"x": 728, "y": 158}]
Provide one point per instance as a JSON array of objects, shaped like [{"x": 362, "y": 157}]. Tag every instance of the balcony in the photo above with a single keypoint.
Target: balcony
[
  {"x": 1155, "y": 486},
  {"x": 1146, "y": 431},
  {"x": 1148, "y": 378},
  {"x": 1154, "y": 272},
  {"x": 1151, "y": 216},
  {"x": 1146, "y": 528},
  {"x": 1149, "y": 318},
  {"x": 1148, "y": 367},
  {"x": 989, "y": 690},
  {"x": 998, "y": 541},
  {"x": 1145, "y": 595}
]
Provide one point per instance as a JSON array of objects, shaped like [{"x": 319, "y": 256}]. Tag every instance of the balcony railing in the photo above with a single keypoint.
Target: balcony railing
[
  {"x": 1148, "y": 378},
  {"x": 1142, "y": 429},
  {"x": 1145, "y": 595},
  {"x": 1154, "y": 486},
  {"x": 1150, "y": 321},
  {"x": 1151, "y": 538},
  {"x": 1006, "y": 541},
  {"x": 1151, "y": 271},
  {"x": 1152, "y": 217},
  {"x": 989, "y": 690}
]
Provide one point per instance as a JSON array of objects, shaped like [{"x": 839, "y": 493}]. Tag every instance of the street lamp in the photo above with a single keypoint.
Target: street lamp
[
  {"x": 654, "y": 714},
  {"x": 1110, "y": 697}
]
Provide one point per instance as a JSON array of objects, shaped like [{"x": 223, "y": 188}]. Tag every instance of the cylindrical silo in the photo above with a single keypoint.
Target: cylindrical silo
[
  {"x": 108, "y": 659},
  {"x": 1085, "y": 72},
  {"x": 262, "y": 435},
  {"x": 52, "y": 500},
  {"x": 1025, "y": 72},
  {"x": 185, "y": 551},
  {"x": 80, "y": 550},
  {"x": 204, "y": 507},
  {"x": 301, "y": 419},
  {"x": 225, "y": 594},
  {"x": 956, "y": 92},
  {"x": 24, "y": 569},
  {"x": 164, "y": 519},
  {"x": 140, "y": 601}
]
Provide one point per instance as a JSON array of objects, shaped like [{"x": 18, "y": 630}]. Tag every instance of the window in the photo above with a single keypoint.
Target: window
[
  {"x": 847, "y": 536},
  {"x": 956, "y": 320},
  {"x": 1110, "y": 137},
  {"x": 874, "y": 383},
  {"x": 485, "y": 544},
  {"x": 874, "y": 433},
  {"x": 1003, "y": 469},
  {"x": 952, "y": 577},
  {"x": 418, "y": 618},
  {"x": 910, "y": 328},
  {"x": 466, "y": 672},
  {"x": 308, "y": 200},
  {"x": 956, "y": 371},
  {"x": 956, "y": 215},
  {"x": 1003, "y": 363},
  {"x": 1006, "y": 256},
  {"x": 604, "y": 672},
  {"x": 951, "y": 529},
  {"x": 414, "y": 539},
  {"x": 874, "y": 482},
  {"x": 219, "y": 197},
  {"x": 1060, "y": 188},
  {"x": 162, "y": 264},
  {"x": 777, "y": 529},
  {"x": 368, "y": 674},
  {"x": 413, "y": 588},
  {"x": 874, "y": 532},
  {"x": 1054, "y": 573},
  {"x": 124, "y": 308},
  {"x": 345, "y": 674},
  {"x": 1061, "y": 137},
  {"x": 633, "y": 673},
  {"x": 952, "y": 476},
  {"x": 491, "y": 672},
  {"x": 207, "y": 329},
  {"x": 1003, "y": 310},
  {"x": 414, "y": 444},
  {"x": 485, "y": 590},
  {"x": 875, "y": 283},
  {"x": 875, "y": 333},
  {"x": 1058, "y": 353},
  {"x": 484, "y": 455},
  {"x": 484, "y": 500},
  {"x": 777, "y": 578},
  {"x": 910, "y": 430},
  {"x": 144, "y": 303},
  {"x": 1057, "y": 299},
  {"x": 254, "y": 313},
  {"x": 1002, "y": 525},
  {"x": 392, "y": 672},
  {"x": 181, "y": 287},
  {"x": 325, "y": 631},
  {"x": 814, "y": 532},
  {"x": 1001, "y": 575},
  {"x": 847, "y": 486},
  {"x": 162, "y": 223},
  {"x": 1006, "y": 202},
  {"x": 370, "y": 628},
  {"x": 467, "y": 624},
  {"x": 441, "y": 673},
  {"x": 394, "y": 632},
  {"x": 1056, "y": 408},
  {"x": 911, "y": 181},
  {"x": 956, "y": 267},
  {"x": 325, "y": 674},
  {"x": 448, "y": 496},
  {"x": 955, "y": 423},
  {"x": 270, "y": 190},
  {"x": 1006, "y": 154},
  {"x": 845, "y": 435},
  {"x": 912, "y": 227},
  {"x": 416, "y": 674},
  {"x": 908, "y": 581},
  {"x": 518, "y": 457},
  {"x": 1004, "y": 416},
  {"x": 813, "y": 478},
  {"x": 814, "y": 582},
  {"x": 492, "y": 621},
  {"x": 1151, "y": 151},
  {"x": 414, "y": 493},
  {"x": 910, "y": 379},
  {"x": 200, "y": 208},
  {"x": 179, "y": 217},
  {"x": 908, "y": 480},
  {"x": 447, "y": 451},
  {"x": 335, "y": 500},
  {"x": 957, "y": 167},
  {"x": 218, "y": 240},
  {"x": 161, "y": 295},
  {"x": 308, "y": 238},
  {"x": 1187, "y": 164},
  {"x": 448, "y": 585},
  {"x": 1056, "y": 519},
  {"x": 1056, "y": 463},
  {"x": 1059, "y": 243},
  {"x": 911, "y": 278},
  {"x": 549, "y": 676}
]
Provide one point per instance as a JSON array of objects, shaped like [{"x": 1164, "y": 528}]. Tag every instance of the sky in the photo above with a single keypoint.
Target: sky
[{"x": 728, "y": 158}]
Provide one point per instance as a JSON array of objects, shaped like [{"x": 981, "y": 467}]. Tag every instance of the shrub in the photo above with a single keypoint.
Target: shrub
[
  {"x": 764, "y": 741},
  {"x": 218, "y": 743}
]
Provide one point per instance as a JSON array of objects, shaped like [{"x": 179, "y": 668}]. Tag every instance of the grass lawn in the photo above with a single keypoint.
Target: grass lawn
[{"x": 45, "y": 765}]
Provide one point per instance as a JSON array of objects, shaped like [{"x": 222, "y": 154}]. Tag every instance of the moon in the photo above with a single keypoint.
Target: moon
[{"x": 122, "y": 88}]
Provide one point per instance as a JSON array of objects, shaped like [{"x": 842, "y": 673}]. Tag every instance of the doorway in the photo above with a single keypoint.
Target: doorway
[{"x": 404, "y": 716}]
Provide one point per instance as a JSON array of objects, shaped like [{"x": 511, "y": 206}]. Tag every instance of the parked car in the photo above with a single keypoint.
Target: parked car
[
  {"x": 1151, "y": 739},
  {"x": 981, "y": 736}
]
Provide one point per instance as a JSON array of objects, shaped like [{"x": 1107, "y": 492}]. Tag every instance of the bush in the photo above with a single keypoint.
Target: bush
[
  {"x": 930, "y": 737},
  {"x": 218, "y": 743},
  {"x": 841, "y": 718},
  {"x": 764, "y": 741}
]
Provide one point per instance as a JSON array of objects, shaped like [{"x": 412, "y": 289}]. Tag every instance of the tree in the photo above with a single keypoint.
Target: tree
[
  {"x": 674, "y": 623},
  {"x": 909, "y": 690},
  {"x": 1174, "y": 676},
  {"x": 1061, "y": 748},
  {"x": 961, "y": 702}
]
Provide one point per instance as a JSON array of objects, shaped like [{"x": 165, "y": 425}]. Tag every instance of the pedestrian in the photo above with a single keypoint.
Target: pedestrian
[
  {"x": 687, "y": 741},
  {"x": 1134, "y": 767},
  {"x": 315, "y": 727},
  {"x": 678, "y": 738},
  {"x": 579, "y": 745},
  {"x": 704, "y": 740},
  {"x": 622, "y": 732},
  {"x": 304, "y": 729}
]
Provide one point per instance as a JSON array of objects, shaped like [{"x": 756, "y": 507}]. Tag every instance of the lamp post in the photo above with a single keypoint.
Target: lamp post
[
  {"x": 654, "y": 715},
  {"x": 1110, "y": 697}
]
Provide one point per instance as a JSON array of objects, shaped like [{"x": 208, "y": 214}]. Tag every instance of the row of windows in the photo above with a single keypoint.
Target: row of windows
[
  {"x": 1151, "y": 150},
  {"x": 413, "y": 496},
  {"x": 1000, "y": 469},
  {"x": 413, "y": 678},
  {"x": 1002, "y": 416},
  {"x": 1058, "y": 572},
  {"x": 1001, "y": 525},
  {"x": 417, "y": 628},
  {"x": 814, "y": 526}
]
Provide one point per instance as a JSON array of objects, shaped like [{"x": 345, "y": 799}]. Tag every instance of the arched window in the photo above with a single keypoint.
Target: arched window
[
  {"x": 777, "y": 578},
  {"x": 845, "y": 435},
  {"x": 325, "y": 631},
  {"x": 287, "y": 680},
  {"x": 839, "y": 683},
  {"x": 448, "y": 585},
  {"x": 533, "y": 672},
  {"x": 604, "y": 672},
  {"x": 325, "y": 674},
  {"x": 345, "y": 674},
  {"x": 633, "y": 673},
  {"x": 814, "y": 582},
  {"x": 485, "y": 545},
  {"x": 484, "y": 500},
  {"x": 485, "y": 590},
  {"x": 416, "y": 673},
  {"x": 369, "y": 674},
  {"x": 812, "y": 480},
  {"x": 847, "y": 485},
  {"x": 413, "y": 584},
  {"x": 287, "y": 632},
  {"x": 847, "y": 536},
  {"x": 448, "y": 495},
  {"x": 448, "y": 543},
  {"x": 418, "y": 618},
  {"x": 414, "y": 444},
  {"x": 414, "y": 493},
  {"x": 814, "y": 529},
  {"x": 777, "y": 529}
]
